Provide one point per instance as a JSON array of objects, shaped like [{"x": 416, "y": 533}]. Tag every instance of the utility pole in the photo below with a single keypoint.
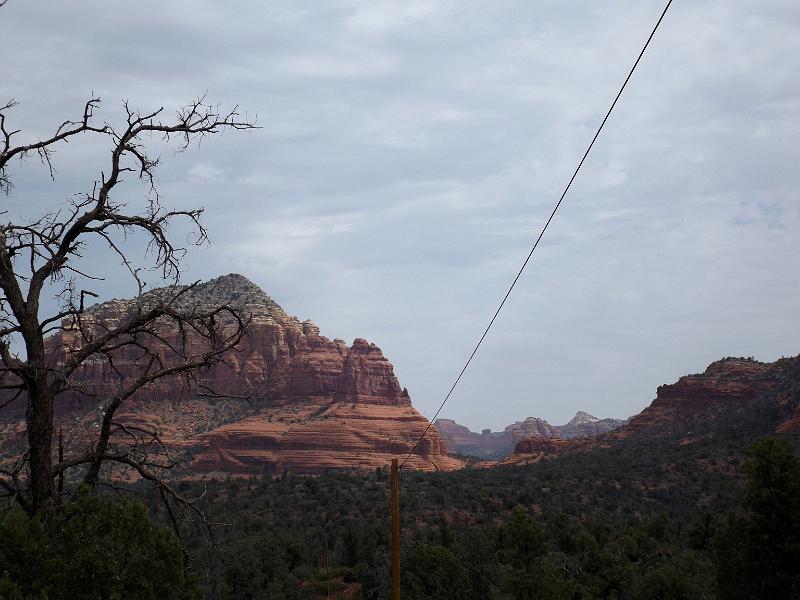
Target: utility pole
[
  {"x": 60, "y": 459},
  {"x": 395, "y": 531}
]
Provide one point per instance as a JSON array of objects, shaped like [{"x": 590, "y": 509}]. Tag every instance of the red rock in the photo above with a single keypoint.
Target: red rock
[
  {"x": 285, "y": 399},
  {"x": 314, "y": 437},
  {"x": 724, "y": 383},
  {"x": 790, "y": 424}
]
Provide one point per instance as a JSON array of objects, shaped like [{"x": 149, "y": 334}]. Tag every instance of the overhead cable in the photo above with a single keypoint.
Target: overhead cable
[{"x": 541, "y": 234}]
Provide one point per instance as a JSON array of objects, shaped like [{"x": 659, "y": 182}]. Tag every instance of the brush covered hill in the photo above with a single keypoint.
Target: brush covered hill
[{"x": 286, "y": 399}]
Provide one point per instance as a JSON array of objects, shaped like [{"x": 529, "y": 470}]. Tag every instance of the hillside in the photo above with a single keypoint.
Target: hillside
[
  {"x": 733, "y": 402},
  {"x": 633, "y": 514}
]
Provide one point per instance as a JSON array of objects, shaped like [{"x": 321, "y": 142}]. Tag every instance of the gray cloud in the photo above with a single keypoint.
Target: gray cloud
[{"x": 411, "y": 151}]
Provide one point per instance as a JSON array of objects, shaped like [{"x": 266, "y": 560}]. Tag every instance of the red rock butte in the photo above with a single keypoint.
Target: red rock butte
[{"x": 286, "y": 399}]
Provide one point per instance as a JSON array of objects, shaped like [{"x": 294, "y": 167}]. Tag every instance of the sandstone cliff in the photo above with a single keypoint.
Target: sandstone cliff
[{"x": 286, "y": 398}]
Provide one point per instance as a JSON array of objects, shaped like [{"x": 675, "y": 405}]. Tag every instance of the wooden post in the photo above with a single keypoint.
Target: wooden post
[
  {"x": 60, "y": 459},
  {"x": 395, "y": 531}
]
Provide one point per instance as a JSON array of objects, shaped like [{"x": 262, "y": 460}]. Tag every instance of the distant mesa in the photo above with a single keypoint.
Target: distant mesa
[{"x": 494, "y": 445}]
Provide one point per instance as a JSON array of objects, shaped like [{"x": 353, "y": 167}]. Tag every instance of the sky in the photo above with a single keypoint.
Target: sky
[{"x": 410, "y": 152}]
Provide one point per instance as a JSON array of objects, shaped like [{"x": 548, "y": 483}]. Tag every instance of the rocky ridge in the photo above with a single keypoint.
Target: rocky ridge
[
  {"x": 727, "y": 383},
  {"x": 738, "y": 397},
  {"x": 536, "y": 449}
]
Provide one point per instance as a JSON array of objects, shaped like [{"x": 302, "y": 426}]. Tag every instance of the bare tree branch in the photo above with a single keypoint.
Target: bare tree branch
[{"x": 46, "y": 252}]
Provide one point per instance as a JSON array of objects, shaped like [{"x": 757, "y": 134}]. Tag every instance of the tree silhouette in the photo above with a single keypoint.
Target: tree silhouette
[
  {"x": 758, "y": 552},
  {"x": 44, "y": 255}
]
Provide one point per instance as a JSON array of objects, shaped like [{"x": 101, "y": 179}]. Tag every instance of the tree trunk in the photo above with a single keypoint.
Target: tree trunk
[{"x": 40, "y": 433}]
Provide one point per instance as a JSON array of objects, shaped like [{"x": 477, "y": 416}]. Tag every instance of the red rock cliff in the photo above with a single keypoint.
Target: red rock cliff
[
  {"x": 724, "y": 383},
  {"x": 286, "y": 399},
  {"x": 280, "y": 360}
]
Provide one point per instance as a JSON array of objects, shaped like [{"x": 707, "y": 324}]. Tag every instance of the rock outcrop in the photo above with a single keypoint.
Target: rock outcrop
[
  {"x": 531, "y": 426},
  {"x": 280, "y": 361},
  {"x": 311, "y": 437},
  {"x": 286, "y": 398},
  {"x": 536, "y": 449}
]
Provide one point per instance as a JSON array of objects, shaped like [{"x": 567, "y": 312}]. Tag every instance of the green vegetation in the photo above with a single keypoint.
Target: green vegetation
[
  {"x": 698, "y": 509},
  {"x": 98, "y": 548},
  {"x": 759, "y": 551},
  {"x": 616, "y": 523},
  {"x": 675, "y": 513}
]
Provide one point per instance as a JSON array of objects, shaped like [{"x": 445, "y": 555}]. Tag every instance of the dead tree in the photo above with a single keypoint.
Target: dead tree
[{"x": 43, "y": 256}]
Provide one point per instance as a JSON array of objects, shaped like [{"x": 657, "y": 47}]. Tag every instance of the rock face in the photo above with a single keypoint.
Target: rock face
[
  {"x": 280, "y": 360},
  {"x": 488, "y": 444},
  {"x": 286, "y": 399},
  {"x": 532, "y": 426},
  {"x": 311, "y": 437}
]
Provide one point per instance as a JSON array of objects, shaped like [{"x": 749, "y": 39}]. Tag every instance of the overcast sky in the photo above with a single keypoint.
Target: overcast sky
[{"x": 411, "y": 151}]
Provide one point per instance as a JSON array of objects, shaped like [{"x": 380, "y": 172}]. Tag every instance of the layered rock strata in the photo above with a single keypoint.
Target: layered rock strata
[
  {"x": 285, "y": 399},
  {"x": 313, "y": 437}
]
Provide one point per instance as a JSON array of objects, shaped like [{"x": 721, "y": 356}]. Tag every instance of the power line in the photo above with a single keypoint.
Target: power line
[{"x": 546, "y": 225}]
